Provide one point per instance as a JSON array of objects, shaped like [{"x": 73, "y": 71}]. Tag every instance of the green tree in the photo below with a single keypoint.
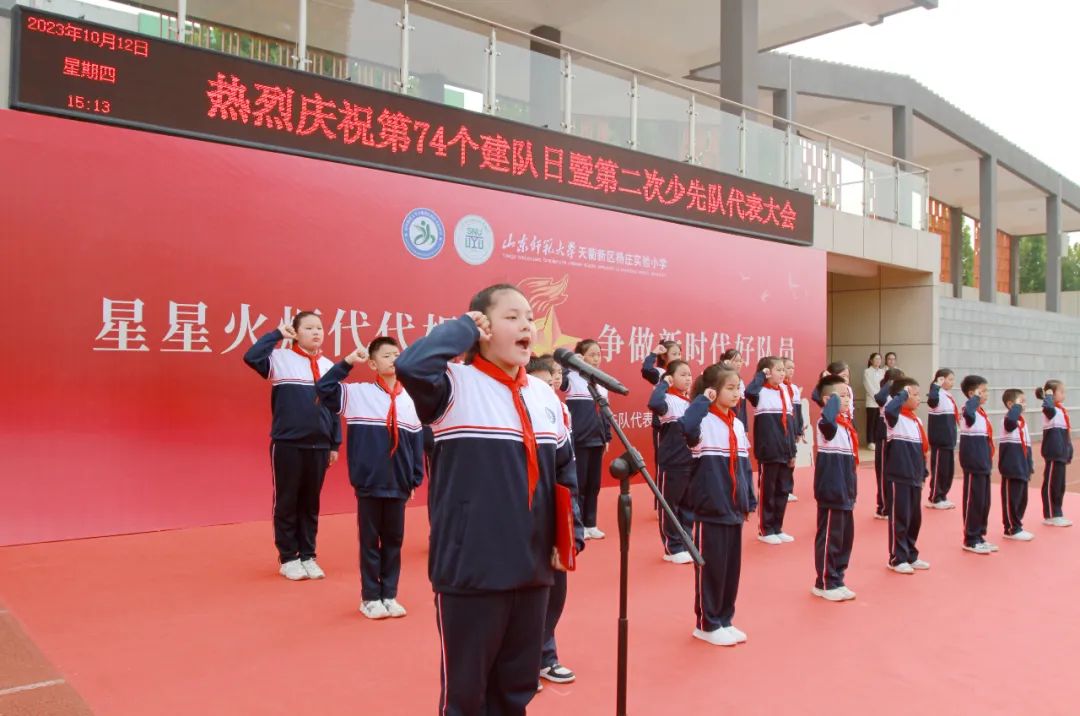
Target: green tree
[
  {"x": 1033, "y": 265},
  {"x": 1070, "y": 269},
  {"x": 967, "y": 256}
]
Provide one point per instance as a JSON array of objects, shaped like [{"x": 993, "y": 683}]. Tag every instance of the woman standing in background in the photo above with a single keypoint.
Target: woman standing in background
[{"x": 872, "y": 384}]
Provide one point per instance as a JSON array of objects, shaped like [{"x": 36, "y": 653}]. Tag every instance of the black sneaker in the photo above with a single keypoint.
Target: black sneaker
[{"x": 557, "y": 673}]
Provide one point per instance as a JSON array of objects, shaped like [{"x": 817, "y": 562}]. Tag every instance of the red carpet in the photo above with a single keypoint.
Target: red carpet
[{"x": 198, "y": 622}]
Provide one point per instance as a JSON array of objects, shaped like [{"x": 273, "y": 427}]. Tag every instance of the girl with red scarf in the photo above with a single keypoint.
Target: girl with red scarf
[
  {"x": 720, "y": 499},
  {"x": 304, "y": 438},
  {"x": 501, "y": 445}
]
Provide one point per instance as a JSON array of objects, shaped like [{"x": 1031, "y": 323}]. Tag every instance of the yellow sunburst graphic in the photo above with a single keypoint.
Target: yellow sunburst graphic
[{"x": 544, "y": 294}]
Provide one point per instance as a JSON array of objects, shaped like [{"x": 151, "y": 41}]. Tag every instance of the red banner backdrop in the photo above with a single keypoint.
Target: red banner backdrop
[{"x": 139, "y": 268}]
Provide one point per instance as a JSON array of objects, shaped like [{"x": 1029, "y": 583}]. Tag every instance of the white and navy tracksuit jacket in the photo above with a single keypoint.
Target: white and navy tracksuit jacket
[
  {"x": 975, "y": 445},
  {"x": 667, "y": 408},
  {"x": 590, "y": 430},
  {"x": 712, "y": 496},
  {"x": 1015, "y": 460},
  {"x": 484, "y": 536},
  {"x": 905, "y": 461},
  {"x": 1057, "y": 441},
  {"x": 774, "y": 422},
  {"x": 299, "y": 417},
  {"x": 941, "y": 424},
  {"x": 372, "y": 472},
  {"x": 795, "y": 393},
  {"x": 835, "y": 486}
]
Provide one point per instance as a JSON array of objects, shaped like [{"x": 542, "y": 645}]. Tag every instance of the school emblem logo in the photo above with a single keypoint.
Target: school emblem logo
[
  {"x": 474, "y": 240},
  {"x": 423, "y": 233},
  {"x": 550, "y": 415}
]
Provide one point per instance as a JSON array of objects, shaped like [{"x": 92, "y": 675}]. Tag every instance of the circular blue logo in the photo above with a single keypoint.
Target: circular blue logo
[{"x": 423, "y": 233}]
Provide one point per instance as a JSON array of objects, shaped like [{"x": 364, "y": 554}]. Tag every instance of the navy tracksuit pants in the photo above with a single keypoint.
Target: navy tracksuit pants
[
  {"x": 905, "y": 520},
  {"x": 776, "y": 481},
  {"x": 832, "y": 546},
  {"x": 717, "y": 583},
  {"x": 942, "y": 468},
  {"x": 976, "y": 508},
  {"x": 298, "y": 480},
  {"x": 673, "y": 483},
  {"x": 380, "y": 524},
  {"x": 491, "y": 644}
]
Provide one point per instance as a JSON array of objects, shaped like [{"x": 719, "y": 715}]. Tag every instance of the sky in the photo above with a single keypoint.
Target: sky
[{"x": 1004, "y": 62}]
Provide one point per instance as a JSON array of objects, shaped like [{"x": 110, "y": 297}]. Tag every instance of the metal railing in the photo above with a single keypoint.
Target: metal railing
[{"x": 454, "y": 57}]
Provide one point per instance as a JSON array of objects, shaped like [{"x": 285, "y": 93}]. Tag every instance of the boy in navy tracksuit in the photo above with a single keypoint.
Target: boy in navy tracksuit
[
  {"x": 721, "y": 498},
  {"x": 834, "y": 489},
  {"x": 905, "y": 470},
  {"x": 668, "y": 402},
  {"x": 976, "y": 460},
  {"x": 550, "y": 667},
  {"x": 386, "y": 464},
  {"x": 500, "y": 447},
  {"x": 1057, "y": 451},
  {"x": 774, "y": 447},
  {"x": 304, "y": 438},
  {"x": 1016, "y": 466},
  {"x": 942, "y": 424},
  {"x": 881, "y": 433}
]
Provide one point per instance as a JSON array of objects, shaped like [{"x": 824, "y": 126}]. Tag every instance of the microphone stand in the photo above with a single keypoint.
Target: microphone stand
[{"x": 623, "y": 468}]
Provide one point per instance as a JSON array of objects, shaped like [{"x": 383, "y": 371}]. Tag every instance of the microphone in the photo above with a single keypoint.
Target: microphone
[{"x": 569, "y": 359}]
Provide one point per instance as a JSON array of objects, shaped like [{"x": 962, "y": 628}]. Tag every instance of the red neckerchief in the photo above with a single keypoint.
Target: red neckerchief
[
  {"x": 845, "y": 422},
  {"x": 1065, "y": 413},
  {"x": 313, "y": 359},
  {"x": 989, "y": 431},
  {"x": 955, "y": 409},
  {"x": 791, "y": 391},
  {"x": 528, "y": 437},
  {"x": 908, "y": 412},
  {"x": 783, "y": 402},
  {"x": 391, "y": 414},
  {"x": 1020, "y": 425},
  {"x": 733, "y": 444},
  {"x": 672, "y": 390}
]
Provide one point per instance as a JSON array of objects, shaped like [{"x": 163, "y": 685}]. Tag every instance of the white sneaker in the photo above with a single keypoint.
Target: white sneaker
[
  {"x": 880, "y": 517},
  {"x": 770, "y": 539},
  {"x": 830, "y": 595},
  {"x": 1062, "y": 522},
  {"x": 980, "y": 548},
  {"x": 902, "y": 568},
  {"x": 848, "y": 594},
  {"x": 293, "y": 570},
  {"x": 991, "y": 546},
  {"x": 595, "y": 533},
  {"x": 394, "y": 608},
  {"x": 792, "y": 497},
  {"x": 739, "y": 634},
  {"x": 920, "y": 564},
  {"x": 717, "y": 637},
  {"x": 679, "y": 558},
  {"x": 374, "y": 610},
  {"x": 1021, "y": 536},
  {"x": 872, "y": 447},
  {"x": 314, "y": 571},
  {"x": 785, "y": 537},
  {"x": 946, "y": 505}
]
